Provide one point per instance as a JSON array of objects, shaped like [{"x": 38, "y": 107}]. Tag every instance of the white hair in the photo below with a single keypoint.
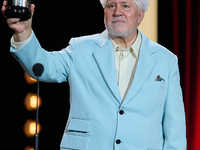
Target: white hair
[{"x": 141, "y": 4}]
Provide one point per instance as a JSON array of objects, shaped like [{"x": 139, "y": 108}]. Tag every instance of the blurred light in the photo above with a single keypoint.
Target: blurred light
[
  {"x": 30, "y": 101},
  {"x": 29, "y": 148},
  {"x": 28, "y": 79},
  {"x": 149, "y": 25},
  {"x": 30, "y": 128}
]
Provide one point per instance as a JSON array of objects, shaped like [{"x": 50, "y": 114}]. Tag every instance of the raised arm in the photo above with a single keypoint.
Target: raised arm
[{"x": 27, "y": 50}]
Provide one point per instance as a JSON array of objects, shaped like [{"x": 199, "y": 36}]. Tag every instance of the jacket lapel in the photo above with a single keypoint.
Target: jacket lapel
[
  {"x": 145, "y": 66},
  {"x": 105, "y": 61}
]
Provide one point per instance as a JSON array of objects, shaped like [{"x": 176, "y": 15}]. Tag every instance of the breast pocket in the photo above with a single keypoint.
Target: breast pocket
[
  {"x": 155, "y": 90},
  {"x": 76, "y": 135},
  {"x": 155, "y": 84}
]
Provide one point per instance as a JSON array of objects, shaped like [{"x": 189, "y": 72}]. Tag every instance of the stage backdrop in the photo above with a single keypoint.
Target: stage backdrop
[{"x": 182, "y": 17}]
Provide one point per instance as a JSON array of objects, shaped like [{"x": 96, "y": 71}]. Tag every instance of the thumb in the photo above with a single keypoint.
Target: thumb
[{"x": 32, "y": 8}]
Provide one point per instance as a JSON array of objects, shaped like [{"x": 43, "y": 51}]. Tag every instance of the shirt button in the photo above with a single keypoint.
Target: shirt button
[
  {"x": 121, "y": 112},
  {"x": 118, "y": 141}
]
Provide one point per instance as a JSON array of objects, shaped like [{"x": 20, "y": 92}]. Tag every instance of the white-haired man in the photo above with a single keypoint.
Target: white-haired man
[{"x": 124, "y": 89}]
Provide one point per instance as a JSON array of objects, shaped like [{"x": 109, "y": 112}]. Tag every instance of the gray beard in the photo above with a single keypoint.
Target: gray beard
[{"x": 114, "y": 33}]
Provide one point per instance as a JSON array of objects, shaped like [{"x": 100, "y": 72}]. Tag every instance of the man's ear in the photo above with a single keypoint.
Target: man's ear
[{"x": 140, "y": 16}]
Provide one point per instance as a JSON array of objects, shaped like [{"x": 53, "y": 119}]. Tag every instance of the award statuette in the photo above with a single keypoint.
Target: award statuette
[{"x": 18, "y": 9}]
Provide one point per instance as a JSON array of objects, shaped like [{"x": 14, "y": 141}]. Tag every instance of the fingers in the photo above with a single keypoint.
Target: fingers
[
  {"x": 5, "y": 2},
  {"x": 15, "y": 23},
  {"x": 12, "y": 20},
  {"x": 4, "y": 7},
  {"x": 32, "y": 8}
]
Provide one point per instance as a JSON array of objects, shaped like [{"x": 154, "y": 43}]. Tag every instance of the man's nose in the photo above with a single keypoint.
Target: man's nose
[{"x": 118, "y": 11}]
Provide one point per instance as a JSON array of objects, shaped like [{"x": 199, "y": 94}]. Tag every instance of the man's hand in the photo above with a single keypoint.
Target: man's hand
[{"x": 22, "y": 28}]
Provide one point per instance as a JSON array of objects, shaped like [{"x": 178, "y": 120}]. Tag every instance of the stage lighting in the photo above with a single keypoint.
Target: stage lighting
[
  {"x": 30, "y": 101},
  {"x": 30, "y": 127},
  {"x": 29, "y": 148},
  {"x": 28, "y": 79},
  {"x": 149, "y": 25}
]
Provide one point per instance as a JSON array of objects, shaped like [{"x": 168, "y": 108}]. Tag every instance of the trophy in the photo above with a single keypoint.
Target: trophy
[{"x": 18, "y": 9}]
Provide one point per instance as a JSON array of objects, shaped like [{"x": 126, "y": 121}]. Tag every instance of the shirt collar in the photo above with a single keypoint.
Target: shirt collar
[{"x": 136, "y": 45}]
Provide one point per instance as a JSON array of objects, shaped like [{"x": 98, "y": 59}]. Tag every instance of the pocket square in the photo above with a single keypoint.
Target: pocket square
[{"x": 159, "y": 78}]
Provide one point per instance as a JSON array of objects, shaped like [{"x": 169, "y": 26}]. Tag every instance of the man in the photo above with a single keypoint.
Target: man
[{"x": 124, "y": 89}]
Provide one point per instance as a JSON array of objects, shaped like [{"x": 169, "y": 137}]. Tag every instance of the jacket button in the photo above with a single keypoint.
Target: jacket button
[
  {"x": 118, "y": 141},
  {"x": 121, "y": 112}
]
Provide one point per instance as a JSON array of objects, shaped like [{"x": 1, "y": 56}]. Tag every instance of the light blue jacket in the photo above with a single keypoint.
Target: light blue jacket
[{"x": 150, "y": 118}]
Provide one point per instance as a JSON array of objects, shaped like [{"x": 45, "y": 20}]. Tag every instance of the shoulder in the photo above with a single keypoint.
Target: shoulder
[
  {"x": 156, "y": 49},
  {"x": 161, "y": 50},
  {"x": 165, "y": 55},
  {"x": 84, "y": 40}
]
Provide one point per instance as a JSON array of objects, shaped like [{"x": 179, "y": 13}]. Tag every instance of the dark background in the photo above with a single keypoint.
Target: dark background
[{"x": 54, "y": 23}]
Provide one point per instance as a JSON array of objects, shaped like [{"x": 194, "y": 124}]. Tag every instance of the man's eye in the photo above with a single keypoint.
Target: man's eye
[
  {"x": 126, "y": 6},
  {"x": 111, "y": 6}
]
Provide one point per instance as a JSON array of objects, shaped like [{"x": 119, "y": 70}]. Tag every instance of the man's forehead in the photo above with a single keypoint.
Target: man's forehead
[{"x": 120, "y": 1}]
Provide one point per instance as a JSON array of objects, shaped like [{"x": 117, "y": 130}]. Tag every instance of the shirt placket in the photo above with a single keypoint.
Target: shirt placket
[
  {"x": 119, "y": 71},
  {"x": 122, "y": 55}
]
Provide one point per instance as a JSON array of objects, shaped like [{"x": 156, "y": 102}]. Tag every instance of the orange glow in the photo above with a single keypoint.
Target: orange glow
[
  {"x": 30, "y": 101},
  {"x": 28, "y": 79},
  {"x": 29, "y": 148},
  {"x": 30, "y": 128},
  {"x": 33, "y": 101}
]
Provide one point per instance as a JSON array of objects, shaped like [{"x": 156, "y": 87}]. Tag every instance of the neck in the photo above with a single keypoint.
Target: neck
[{"x": 125, "y": 42}]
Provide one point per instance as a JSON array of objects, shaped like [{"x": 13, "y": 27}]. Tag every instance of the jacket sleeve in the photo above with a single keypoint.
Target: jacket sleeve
[
  {"x": 57, "y": 65},
  {"x": 174, "y": 126}
]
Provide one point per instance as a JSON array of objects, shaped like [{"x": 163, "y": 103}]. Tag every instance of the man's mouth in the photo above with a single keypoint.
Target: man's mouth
[{"x": 118, "y": 21}]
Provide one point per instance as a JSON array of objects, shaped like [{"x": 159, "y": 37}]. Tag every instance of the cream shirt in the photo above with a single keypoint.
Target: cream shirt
[
  {"x": 18, "y": 45},
  {"x": 125, "y": 60}
]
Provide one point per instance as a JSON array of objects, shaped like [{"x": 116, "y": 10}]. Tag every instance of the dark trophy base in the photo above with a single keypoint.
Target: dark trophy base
[{"x": 18, "y": 12}]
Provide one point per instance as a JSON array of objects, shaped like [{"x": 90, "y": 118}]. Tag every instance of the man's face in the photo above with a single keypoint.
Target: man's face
[{"x": 122, "y": 17}]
